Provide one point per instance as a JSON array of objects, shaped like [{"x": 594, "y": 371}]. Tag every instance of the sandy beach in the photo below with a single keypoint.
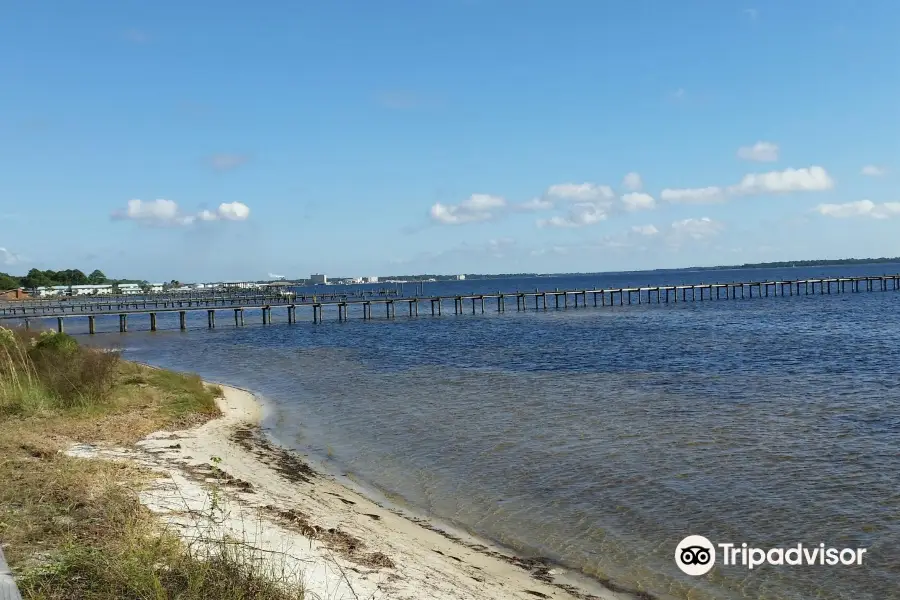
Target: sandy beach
[{"x": 225, "y": 480}]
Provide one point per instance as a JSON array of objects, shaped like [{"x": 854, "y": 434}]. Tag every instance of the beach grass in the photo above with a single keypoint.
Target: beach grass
[{"x": 74, "y": 527}]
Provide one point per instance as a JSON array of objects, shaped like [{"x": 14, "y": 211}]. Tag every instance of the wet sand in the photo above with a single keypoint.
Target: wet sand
[{"x": 306, "y": 527}]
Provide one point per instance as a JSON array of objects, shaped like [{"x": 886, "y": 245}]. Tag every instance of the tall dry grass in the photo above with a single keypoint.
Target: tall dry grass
[
  {"x": 46, "y": 371},
  {"x": 75, "y": 528}
]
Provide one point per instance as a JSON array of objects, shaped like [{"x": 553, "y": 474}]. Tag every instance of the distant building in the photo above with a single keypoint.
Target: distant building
[
  {"x": 17, "y": 294},
  {"x": 318, "y": 278},
  {"x": 370, "y": 280},
  {"x": 130, "y": 288},
  {"x": 46, "y": 290},
  {"x": 91, "y": 290},
  {"x": 460, "y": 277},
  {"x": 243, "y": 285}
]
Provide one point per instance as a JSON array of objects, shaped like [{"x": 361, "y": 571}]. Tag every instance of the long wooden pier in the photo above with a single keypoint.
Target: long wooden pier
[{"x": 462, "y": 304}]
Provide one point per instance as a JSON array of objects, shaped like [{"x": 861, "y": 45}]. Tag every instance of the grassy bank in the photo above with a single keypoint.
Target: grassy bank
[{"x": 74, "y": 528}]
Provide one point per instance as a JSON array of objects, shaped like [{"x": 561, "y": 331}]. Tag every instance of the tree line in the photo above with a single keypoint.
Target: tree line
[{"x": 37, "y": 278}]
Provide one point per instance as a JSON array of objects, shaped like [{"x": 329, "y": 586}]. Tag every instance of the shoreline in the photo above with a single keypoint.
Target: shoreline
[{"x": 329, "y": 535}]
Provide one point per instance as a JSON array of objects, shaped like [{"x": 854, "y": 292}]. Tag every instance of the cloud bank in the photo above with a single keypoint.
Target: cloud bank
[{"x": 166, "y": 213}]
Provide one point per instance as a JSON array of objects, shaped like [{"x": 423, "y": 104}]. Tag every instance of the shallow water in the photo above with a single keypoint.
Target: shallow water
[{"x": 601, "y": 437}]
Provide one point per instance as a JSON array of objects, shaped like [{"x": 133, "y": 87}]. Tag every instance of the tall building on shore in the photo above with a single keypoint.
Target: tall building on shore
[{"x": 318, "y": 278}]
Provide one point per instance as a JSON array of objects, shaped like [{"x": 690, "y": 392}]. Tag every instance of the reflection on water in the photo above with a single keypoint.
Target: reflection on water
[{"x": 601, "y": 437}]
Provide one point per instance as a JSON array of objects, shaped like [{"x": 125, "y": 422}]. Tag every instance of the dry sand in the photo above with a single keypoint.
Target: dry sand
[{"x": 224, "y": 479}]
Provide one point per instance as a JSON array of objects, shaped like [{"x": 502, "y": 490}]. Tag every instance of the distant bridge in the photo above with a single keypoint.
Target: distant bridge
[{"x": 663, "y": 294}]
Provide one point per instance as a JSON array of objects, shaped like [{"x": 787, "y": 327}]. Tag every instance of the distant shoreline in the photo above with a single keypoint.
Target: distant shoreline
[{"x": 785, "y": 264}]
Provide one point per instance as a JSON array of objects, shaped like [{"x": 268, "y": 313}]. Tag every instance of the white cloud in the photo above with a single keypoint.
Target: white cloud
[
  {"x": 7, "y": 257},
  {"x": 759, "y": 152},
  {"x": 632, "y": 182},
  {"x": 227, "y": 162},
  {"x": 706, "y": 195},
  {"x": 154, "y": 212},
  {"x": 579, "y": 215},
  {"x": 536, "y": 204},
  {"x": 638, "y": 201},
  {"x": 590, "y": 203},
  {"x": 163, "y": 212},
  {"x": 645, "y": 229},
  {"x": 860, "y": 208},
  {"x": 558, "y": 250},
  {"x": 873, "y": 171},
  {"x": 695, "y": 229},
  {"x": 808, "y": 179},
  {"x": 580, "y": 192},
  {"x": 233, "y": 211},
  {"x": 477, "y": 207}
]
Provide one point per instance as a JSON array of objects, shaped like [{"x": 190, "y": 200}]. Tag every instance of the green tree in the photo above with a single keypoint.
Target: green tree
[
  {"x": 36, "y": 278},
  {"x": 73, "y": 277},
  {"x": 96, "y": 277},
  {"x": 8, "y": 282}
]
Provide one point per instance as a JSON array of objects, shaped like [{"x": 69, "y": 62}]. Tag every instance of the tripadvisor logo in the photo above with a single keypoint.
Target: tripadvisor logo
[{"x": 696, "y": 555}]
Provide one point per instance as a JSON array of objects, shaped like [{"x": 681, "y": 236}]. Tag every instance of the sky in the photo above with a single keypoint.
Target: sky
[{"x": 228, "y": 140}]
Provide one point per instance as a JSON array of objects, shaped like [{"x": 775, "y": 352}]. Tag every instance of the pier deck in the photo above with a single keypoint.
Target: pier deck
[{"x": 474, "y": 303}]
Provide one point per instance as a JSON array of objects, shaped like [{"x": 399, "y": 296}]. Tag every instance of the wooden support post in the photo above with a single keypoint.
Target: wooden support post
[
  {"x": 152, "y": 321},
  {"x": 59, "y": 325},
  {"x": 92, "y": 325},
  {"x": 482, "y": 305},
  {"x": 182, "y": 320},
  {"x": 237, "y": 319},
  {"x": 123, "y": 323}
]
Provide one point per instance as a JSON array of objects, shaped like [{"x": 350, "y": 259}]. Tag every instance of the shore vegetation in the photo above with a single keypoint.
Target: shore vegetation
[{"x": 75, "y": 528}]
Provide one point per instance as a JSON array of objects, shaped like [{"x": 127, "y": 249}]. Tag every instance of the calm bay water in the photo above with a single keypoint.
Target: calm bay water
[{"x": 601, "y": 437}]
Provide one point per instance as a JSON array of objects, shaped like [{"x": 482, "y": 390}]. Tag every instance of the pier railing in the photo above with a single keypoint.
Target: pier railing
[{"x": 540, "y": 300}]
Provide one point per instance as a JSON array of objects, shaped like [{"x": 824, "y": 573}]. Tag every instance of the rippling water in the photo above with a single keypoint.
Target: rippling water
[{"x": 601, "y": 437}]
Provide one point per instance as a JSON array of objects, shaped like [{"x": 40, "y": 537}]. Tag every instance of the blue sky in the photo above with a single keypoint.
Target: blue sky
[{"x": 222, "y": 140}]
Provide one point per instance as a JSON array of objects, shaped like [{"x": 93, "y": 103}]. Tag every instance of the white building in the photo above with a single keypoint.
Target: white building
[
  {"x": 73, "y": 290},
  {"x": 130, "y": 288},
  {"x": 370, "y": 280},
  {"x": 460, "y": 277},
  {"x": 243, "y": 285},
  {"x": 92, "y": 290},
  {"x": 50, "y": 290},
  {"x": 318, "y": 278}
]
